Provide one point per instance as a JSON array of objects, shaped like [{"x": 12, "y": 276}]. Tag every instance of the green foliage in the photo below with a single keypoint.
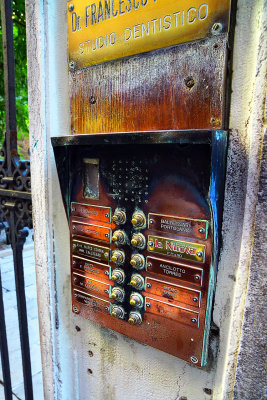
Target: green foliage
[{"x": 19, "y": 32}]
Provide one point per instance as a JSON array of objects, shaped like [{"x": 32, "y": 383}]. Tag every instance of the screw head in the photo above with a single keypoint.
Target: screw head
[
  {"x": 195, "y": 299},
  {"x": 149, "y": 265},
  {"x": 148, "y": 305},
  {"x": 75, "y": 309},
  {"x": 200, "y": 254},
  {"x": 151, "y": 244},
  {"x": 197, "y": 278},
  {"x": 189, "y": 82},
  {"x": 148, "y": 285},
  {"x": 202, "y": 230},
  {"x": 194, "y": 359},
  {"x": 71, "y": 7},
  {"x": 194, "y": 320},
  {"x": 216, "y": 28},
  {"x": 72, "y": 65},
  {"x": 151, "y": 221}
]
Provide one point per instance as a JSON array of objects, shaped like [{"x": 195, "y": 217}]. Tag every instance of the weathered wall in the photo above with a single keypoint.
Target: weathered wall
[
  {"x": 251, "y": 377},
  {"x": 80, "y": 359}
]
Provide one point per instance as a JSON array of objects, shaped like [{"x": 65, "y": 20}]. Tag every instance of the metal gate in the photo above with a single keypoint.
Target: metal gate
[{"x": 15, "y": 209}]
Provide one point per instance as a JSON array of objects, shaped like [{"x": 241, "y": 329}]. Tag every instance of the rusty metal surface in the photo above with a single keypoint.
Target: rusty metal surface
[
  {"x": 102, "y": 31},
  {"x": 182, "y": 87}
]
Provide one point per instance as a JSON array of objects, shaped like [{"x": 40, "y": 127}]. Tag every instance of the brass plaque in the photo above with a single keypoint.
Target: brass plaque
[
  {"x": 95, "y": 213},
  {"x": 93, "y": 268},
  {"x": 92, "y": 285},
  {"x": 175, "y": 270},
  {"x": 177, "y": 248},
  {"x": 108, "y": 29},
  {"x": 171, "y": 311},
  {"x": 90, "y": 250},
  {"x": 96, "y": 232},
  {"x": 98, "y": 304},
  {"x": 178, "y": 226},
  {"x": 173, "y": 292}
]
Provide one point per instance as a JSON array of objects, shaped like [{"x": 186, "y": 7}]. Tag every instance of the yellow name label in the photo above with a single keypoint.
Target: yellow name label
[{"x": 103, "y": 30}]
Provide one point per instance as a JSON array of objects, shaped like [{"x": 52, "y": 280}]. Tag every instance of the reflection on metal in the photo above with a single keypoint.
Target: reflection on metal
[
  {"x": 178, "y": 226},
  {"x": 95, "y": 213},
  {"x": 155, "y": 305},
  {"x": 175, "y": 270},
  {"x": 176, "y": 248},
  {"x": 90, "y": 250},
  {"x": 104, "y": 31},
  {"x": 174, "y": 181},
  {"x": 92, "y": 285},
  {"x": 173, "y": 292},
  {"x": 98, "y": 304},
  {"x": 15, "y": 209},
  {"x": 95, "y": 269},
  {"x": 96, "y": 232}
]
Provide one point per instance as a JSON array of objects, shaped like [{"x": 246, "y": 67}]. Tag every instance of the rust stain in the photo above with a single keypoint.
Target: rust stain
[{"x": 176, "y": 88}]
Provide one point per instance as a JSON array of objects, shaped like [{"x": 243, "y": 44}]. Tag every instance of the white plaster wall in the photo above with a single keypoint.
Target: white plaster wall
[{"x": 80, "y": 359}]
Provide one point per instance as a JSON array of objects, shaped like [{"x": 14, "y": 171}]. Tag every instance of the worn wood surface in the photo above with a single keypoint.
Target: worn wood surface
[{"x": 182, "y": 87}]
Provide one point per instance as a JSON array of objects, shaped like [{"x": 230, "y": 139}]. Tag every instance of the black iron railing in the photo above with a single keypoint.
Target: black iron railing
[{"x": 15, "y": 209}]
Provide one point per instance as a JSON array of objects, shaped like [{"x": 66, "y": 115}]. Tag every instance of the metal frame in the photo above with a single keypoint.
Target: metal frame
[{"x": 15, "y": 209}]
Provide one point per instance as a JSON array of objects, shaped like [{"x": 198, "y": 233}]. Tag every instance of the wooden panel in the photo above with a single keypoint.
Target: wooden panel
[{"x": 181, "y": 87}]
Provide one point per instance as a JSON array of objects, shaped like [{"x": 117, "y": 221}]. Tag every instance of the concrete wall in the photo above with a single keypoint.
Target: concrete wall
[{"x": 80, "y": 359}]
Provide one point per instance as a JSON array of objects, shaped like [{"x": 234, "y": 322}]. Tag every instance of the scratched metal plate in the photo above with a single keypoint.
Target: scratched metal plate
[
  {"x": 105, "y": 30},
  {"x": 179, "y": 226},
  {"x": 91, "y": 250},
  {"x": 175, "y": 270},
  {"x": 182, "y": 87}
]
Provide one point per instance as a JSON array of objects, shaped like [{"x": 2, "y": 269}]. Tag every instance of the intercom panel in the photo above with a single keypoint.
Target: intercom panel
[{"x": 144, "y": 216}]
